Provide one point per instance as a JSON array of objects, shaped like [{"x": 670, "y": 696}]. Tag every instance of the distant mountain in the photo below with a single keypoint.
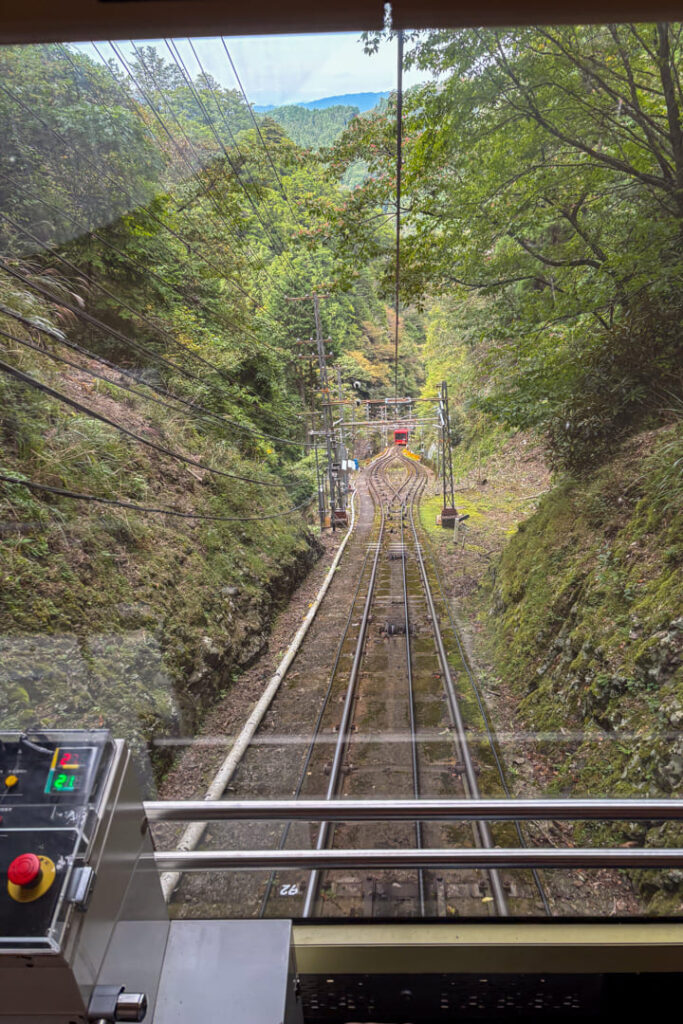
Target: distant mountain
[
  {"x": 313, "y": 128},
  {"x": 363, "y": 100}
]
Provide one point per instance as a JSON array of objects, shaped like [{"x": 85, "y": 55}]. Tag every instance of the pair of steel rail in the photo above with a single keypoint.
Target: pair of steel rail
[{"x": 485, "y": 856}]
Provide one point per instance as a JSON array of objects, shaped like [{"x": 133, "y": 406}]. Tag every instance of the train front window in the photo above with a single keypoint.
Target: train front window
[{"x": 341, "y": 459}]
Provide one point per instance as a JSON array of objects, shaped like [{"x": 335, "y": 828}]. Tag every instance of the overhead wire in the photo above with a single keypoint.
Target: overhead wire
[
  {"x": 117, "y": 184},
  {"x": 84, "y": 369},
  {"x": 104, "y": 327},
  {"x": 226, "y": 121},
  {"x": 264, "y": 143},
  {"x": 297, "y": 217},
  {"x": 279, "y": 240},
  {"x": 85, "y": 70},
  {"x": 96, "y": 322},
  {"x": 399, "y": 160},
  {"x": 177, "y": 57},
  {"x": 90, "y": 372},
  {"x": 119, "y": 503},
  {"x": 175, "y": 53},
  {"x": 257, "y": 126},
  {"x": 121, "y": 302},
  {"x": 194, "y": 407},
  {"x": 257, "y": 304},
  {"x": 222, "y": 114},
  {"x": 223, "y": 214},
  {"x": 182, "y": 67},
  {"x": 25, "y": 378},
  {"x": 195, "y": 172},
  {"x": 144, "y": 269}
]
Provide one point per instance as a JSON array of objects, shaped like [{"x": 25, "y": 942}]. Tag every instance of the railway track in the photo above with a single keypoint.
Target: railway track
[{"x": 387, "y": 724}]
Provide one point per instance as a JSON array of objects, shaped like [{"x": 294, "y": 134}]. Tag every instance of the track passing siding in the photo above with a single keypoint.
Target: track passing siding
[{"x": 376, "y": 705}]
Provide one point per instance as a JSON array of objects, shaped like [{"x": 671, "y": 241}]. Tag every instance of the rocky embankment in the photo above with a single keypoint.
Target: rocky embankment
[{"x": 147, "y": 670}]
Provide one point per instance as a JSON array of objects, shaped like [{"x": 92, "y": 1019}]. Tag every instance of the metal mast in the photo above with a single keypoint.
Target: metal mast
[
  {"x": 448, "y": 512},
  {"x": 327, "y": 411}
]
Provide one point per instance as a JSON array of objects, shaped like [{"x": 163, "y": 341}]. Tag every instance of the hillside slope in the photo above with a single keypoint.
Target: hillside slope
[
  {"x": 108, "y": 615},
  {"x": 586, "y": 623}
]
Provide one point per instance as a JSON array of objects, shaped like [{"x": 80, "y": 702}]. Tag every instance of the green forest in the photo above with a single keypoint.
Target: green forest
[
  {"x": 154, "y": 232},
  {"x": 313, "y": 129}
]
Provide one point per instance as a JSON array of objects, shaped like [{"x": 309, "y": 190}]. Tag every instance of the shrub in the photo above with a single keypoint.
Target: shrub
[{"x": 620, "y": 383}]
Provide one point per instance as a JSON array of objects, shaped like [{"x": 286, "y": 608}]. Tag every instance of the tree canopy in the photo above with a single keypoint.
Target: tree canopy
[{"x": 543, "y": 172}]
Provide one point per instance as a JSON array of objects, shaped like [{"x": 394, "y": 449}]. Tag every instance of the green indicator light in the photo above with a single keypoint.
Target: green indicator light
[
  {"x": 64, "y": 783},
  {"x": 69, "y": 770}
]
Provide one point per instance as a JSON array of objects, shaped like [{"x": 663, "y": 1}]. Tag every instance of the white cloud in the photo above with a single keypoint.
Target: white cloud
[{"x": 292, "y": 68}]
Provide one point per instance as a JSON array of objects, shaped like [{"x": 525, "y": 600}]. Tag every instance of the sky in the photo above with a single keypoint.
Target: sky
[{"x": 290, "y": 68}]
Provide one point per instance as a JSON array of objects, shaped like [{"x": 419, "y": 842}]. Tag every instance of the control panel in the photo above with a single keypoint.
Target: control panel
[
  {"x": 81, "y": 901},
  {"x": 51, "y": 784}
]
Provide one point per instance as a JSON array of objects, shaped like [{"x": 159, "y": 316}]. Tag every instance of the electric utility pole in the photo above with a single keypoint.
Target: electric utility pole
[
  {"x": 342, "y": 453},
  {"x": 325, "y": 389}
]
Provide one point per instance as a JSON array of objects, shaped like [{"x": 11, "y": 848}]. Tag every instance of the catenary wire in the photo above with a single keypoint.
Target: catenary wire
[
  {"x": 26, "y": 378},
  {"x": 175, "y": 53},
  {"x": 127, "y": 193},
  {"x": 221, "y": 111},
  {"x": 84, "y": 369},
  {"x": 194, "y": 407},
  {"x": 153, "y": 216},
  {"x": 135, "y": 107},
  {"x": 195, "y": 172},
  {"x": 399, "y": 155},
  {"x": 63, "y": 493},
  {"x": 58, "y": 136}
]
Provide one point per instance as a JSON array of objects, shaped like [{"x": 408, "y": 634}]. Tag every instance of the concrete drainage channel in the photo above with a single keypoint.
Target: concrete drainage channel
[{"x": 192, "y": 835}]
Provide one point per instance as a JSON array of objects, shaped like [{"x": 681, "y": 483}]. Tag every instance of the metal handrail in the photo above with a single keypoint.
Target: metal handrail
[
  {"x": 415, "y": 810},
  {"x": 476, "y": 857}
]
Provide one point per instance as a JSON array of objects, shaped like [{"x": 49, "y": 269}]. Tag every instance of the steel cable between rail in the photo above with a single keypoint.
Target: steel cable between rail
[
  {"x": 487, "y": 725},
  {"x": 343, "y": 729},
  {"x": 482, "y": 828}
]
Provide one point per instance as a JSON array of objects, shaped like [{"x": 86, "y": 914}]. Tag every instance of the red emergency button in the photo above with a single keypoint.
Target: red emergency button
[{"x": 24, "y": 870}]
